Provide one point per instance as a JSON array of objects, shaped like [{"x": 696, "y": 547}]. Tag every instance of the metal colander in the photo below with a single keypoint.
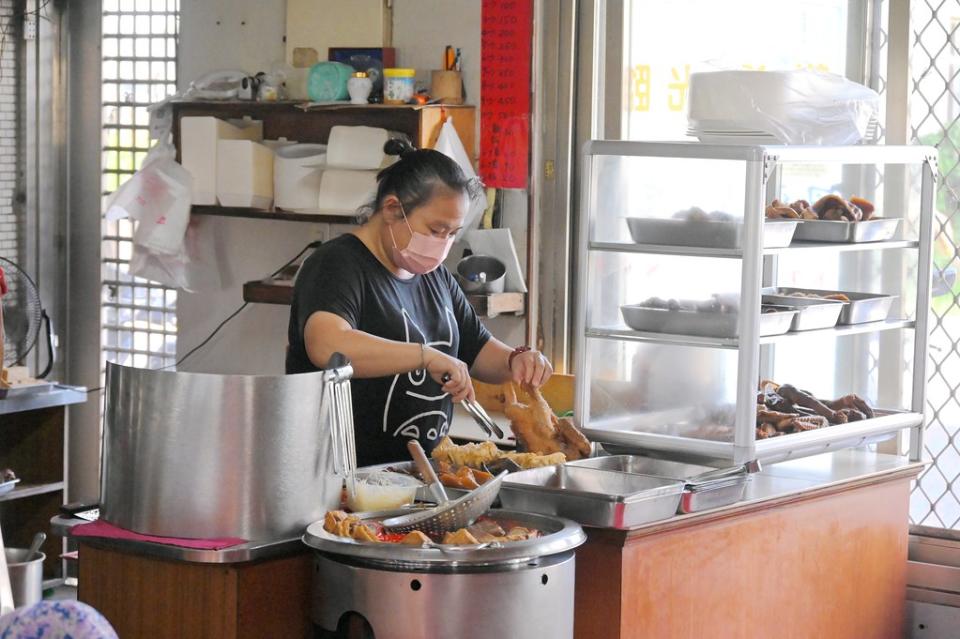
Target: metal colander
[{"x": 448, "y": 515}]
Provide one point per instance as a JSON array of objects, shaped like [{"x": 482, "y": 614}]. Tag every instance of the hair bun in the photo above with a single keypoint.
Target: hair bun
[{"x": 397, "y": 146}]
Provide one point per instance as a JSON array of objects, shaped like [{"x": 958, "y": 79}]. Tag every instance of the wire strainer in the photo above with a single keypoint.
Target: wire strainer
[{"x": 448, "y": 515}]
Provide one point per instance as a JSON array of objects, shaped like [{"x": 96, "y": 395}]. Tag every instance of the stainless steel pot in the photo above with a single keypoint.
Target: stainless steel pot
[
  {"x": 26, "y": 577},
  {"x": 201, "y": 455},
  {"x": 519, "y": 589},
  {"x": 481, "y": 274}
]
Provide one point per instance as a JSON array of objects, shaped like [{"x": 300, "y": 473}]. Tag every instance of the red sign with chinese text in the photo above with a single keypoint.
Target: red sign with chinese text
[{"x": 506, "y": 54}]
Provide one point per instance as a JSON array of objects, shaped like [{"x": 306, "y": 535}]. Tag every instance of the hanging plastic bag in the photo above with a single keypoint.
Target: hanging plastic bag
[
  {"x": 794, "y": 107},
  {"x": 194, "y": 268},
  {"x": 448, "y": 143},
  {"x": 158, "y": 197}
]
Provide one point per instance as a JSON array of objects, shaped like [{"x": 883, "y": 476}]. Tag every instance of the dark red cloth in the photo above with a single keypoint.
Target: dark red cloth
[{"x": 109, "y": 531}]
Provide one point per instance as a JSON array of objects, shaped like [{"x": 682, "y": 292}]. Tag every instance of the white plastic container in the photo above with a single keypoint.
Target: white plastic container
[
  {"x": 244, "y": 174},
  {"x": 343, "y": 191},
  {"x": 198, "y": 150},
  {"x": 357, "y": 147},
  {"x": 297, "y": 171},
  {"x": 381, "y": 490}
]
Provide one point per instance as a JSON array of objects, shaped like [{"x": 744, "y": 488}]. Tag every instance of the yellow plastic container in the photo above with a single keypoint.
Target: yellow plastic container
[{"x": 398, "y": 85}]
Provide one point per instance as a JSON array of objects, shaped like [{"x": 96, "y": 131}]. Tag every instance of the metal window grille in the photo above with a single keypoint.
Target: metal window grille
[
  {"x": 935, "y": 120},
  {"x": 11, "y": 133},
  {"x": 139, "y": 67}
]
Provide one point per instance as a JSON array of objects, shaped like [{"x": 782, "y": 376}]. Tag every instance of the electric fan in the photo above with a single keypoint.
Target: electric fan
[{"x": 21, "y": 317}]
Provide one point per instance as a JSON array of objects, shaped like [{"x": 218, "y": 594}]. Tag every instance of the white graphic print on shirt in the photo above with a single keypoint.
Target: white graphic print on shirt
[{"x": 410, "y": 386}]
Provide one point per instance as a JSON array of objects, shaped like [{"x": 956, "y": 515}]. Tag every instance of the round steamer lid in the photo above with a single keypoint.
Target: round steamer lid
[{"x": 557, "y": 535}]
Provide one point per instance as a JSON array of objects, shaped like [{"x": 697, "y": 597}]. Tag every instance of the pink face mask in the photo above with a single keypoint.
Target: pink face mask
[{"x": 423, "y": 254}]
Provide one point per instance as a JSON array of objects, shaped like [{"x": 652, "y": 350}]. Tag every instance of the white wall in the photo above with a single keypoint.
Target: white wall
[{"x": 255, "y": 341}]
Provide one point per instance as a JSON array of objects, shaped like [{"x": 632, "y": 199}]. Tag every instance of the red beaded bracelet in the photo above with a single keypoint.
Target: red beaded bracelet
[{"x": 516, "y": 351}]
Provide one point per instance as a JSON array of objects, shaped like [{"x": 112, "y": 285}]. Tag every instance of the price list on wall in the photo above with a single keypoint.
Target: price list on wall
[{"x": 506, "y": 43}]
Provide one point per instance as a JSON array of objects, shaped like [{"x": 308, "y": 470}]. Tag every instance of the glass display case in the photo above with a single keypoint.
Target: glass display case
[{"x": 713, "y": 322}]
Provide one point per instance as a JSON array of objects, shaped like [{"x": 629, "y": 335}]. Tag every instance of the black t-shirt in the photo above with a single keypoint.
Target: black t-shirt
[{"x": 343, "y": 277}]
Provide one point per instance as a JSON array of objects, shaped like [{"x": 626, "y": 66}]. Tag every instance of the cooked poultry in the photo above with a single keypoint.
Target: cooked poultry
[
  {"x": 536, "y": 460},
  {"x": 852, "y": 402},
  {"x": 538, "y": 430},
  {"x": 830, "y": 207},
  {"x": 783, "y": 409}
]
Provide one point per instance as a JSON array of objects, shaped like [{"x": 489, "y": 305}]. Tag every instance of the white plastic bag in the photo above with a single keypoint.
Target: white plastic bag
[
  {"x": 158, "y": 198},
  {"x": 194, "y": 268},
  {"x": 795, "y": 107},
  {"x": 448, "y": 143}
]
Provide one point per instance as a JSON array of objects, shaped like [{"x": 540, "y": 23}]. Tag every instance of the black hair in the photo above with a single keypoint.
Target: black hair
[{"x": 414, "y": 178}]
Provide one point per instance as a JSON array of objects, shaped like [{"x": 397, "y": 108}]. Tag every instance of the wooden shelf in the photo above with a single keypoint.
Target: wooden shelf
[
  {"x": 272, "y": 214},
  {"x": 31, "y": 490},
  {"x": 263, "y": 292}
]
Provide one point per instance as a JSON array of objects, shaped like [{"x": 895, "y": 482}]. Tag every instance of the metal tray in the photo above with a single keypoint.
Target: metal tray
[
  {"x": 813, "y": 313},
  {"x": 706, "y": 233},
  {"x": 877, "y": 230},
  {"x": 862, "y": 308},
  {"x": 592, "y": 497},
  {"x": 22, "y": 390},
  {"x": 697, "y": 495},
  {"x": 658, "y": 320}
]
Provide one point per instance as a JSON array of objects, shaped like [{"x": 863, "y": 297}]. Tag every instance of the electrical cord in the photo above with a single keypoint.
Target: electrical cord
[{"x": 232, "y": 315}]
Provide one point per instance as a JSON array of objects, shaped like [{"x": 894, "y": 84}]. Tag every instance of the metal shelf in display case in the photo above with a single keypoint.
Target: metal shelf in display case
[{"x": 689, "y": 396}]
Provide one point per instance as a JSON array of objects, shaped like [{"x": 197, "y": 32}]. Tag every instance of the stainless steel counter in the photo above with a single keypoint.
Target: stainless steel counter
[
  {"x": 49, "y": 396},
  {"x": 801, "y": 478}
]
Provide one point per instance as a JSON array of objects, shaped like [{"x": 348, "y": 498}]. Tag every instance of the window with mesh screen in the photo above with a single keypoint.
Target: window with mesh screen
[
  {"x": 140, "y": 37},
  {"x": 11, "y": 131}
]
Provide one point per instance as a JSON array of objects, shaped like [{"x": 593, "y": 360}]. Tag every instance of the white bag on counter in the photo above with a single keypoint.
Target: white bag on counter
[
  {"x": 358, "y": 147},
  {"x": 343, "y": 191}
]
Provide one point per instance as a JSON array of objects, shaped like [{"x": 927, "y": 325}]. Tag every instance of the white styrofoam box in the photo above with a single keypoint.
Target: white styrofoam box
[
  {"x": 198, "y": 149},
  {"x": 297, "y": 170},
  {"x": 358, "y": 147},
  {"x": 244, "y": 174},
  {"x": 343, "y": 191}
]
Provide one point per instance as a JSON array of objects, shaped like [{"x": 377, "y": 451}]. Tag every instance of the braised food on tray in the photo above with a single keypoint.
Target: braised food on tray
[
  {"x": 713, "y": 305},
  {"x": 475, "y": 455},
  {"x": 840, "y": 297},
  {"x": 783, "y": 409},
  {"x": 829, "y": 207},
  {"x": 484, "y": 530},
  {"x": 538, "y": 430},
  {"x": 696, "y": 214}
]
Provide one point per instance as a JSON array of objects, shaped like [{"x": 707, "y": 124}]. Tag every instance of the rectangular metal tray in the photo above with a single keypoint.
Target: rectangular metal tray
[
  {"x": 724, "y": 325},
  {"x": 813, "y": 313},
  {"x": 696, "y": 497},
  {"x": 877, "y": 230},
  {"x": 592, "y": 497},
  {"x": 863, "y": 307},
  {"x": 706, "y": 233}
]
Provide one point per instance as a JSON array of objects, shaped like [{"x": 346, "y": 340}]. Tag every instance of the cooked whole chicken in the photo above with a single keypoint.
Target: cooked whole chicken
[{"x": 538, "y": 430}]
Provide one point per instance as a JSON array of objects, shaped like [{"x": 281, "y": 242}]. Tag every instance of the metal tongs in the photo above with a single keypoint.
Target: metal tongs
[{"x": 479, "y": 414}]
